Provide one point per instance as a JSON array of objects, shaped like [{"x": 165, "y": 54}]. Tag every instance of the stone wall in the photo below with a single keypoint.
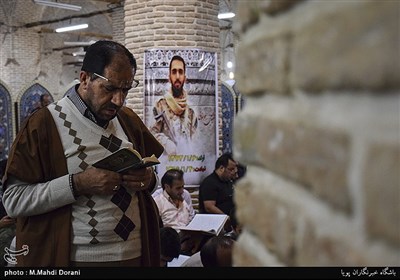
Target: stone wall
[
  {"x": 319, "y": 133},
  {"x": 118, "y": 24}
]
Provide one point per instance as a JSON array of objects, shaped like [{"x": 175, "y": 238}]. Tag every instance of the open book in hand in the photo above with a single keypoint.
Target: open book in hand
[
  {"x": 124, "y": 159},
  {"x": 206, "y": 223}
]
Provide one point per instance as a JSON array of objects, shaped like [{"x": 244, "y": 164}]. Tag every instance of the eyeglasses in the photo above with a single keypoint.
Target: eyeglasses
[{"x": 125, "y": 86}]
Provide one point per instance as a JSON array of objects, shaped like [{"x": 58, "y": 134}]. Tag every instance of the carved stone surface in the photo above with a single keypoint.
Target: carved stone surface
[
  {"x": 228, "y": 114},
  {"x": 6, "y": 127}
]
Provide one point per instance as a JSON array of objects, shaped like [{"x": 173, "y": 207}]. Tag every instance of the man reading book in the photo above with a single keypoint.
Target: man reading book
[
  {"x": 173, "y": 208},
  {"x": 68, "y": 212}
]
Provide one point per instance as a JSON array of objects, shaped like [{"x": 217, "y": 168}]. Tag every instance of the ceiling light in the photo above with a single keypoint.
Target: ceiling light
[
  {"x": 58, "y": 5},
  {"x": 226, "y": 15},
  {"x": 72, "y": 27},
  {"x": 79, "y": 43},
  {"x": 231, "y": 75},
  {"x": 78, "y": 53},
  {"x": 229, "y": 64}
]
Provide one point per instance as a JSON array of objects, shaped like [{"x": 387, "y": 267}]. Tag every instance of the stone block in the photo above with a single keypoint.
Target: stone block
[
  {"x": 356, "y": 45},
  {"x": 382, "y": 192},
  {"x": 315, "y": 157},
  {"x": 263, "y": 65}
]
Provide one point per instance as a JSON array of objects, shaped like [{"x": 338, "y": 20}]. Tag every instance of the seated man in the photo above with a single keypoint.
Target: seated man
[
  {"x": 216, "y": 190},
  {"x": 186, "y": 195},
  {"x": 173, "y": 209}
]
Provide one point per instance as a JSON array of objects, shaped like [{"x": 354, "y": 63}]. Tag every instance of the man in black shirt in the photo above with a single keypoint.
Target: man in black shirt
[{"x": 216, "y": 190}]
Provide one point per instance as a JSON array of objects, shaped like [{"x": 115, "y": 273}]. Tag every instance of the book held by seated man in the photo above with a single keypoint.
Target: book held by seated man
[
  {"x": 211, "y": 224},
  {"x": 124, "y": 159}
]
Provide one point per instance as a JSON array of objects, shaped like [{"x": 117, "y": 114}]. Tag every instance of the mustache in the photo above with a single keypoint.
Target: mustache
[{"x": 178, "y": 83}]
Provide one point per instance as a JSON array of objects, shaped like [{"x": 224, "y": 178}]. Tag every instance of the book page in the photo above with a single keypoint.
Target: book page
[
  {"x": 207, "y": 222},
  {"x": 178, "y": 261},
  {"x": 151, "y": 160},
  {"x": 134, "y": 152}
]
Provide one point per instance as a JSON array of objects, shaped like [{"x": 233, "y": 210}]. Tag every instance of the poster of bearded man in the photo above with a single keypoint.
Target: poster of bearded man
[{"x": 180, "y": 97}]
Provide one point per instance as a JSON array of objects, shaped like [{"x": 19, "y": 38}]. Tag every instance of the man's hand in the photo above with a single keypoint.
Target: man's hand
[
  {"x": 6, "y": 221},
  {"x": 138, "y": 179},
  {"x": 96, "y": 181},
  {"x": 104, "y": 182}
]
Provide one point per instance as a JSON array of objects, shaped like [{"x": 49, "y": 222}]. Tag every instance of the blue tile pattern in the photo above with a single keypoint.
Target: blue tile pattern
[
  {"x": 30, "y": 100},
  {"x": 6, "y": 127}
]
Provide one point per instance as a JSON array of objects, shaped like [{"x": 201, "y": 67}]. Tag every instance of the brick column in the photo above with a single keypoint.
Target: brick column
[
  {"x": 319, "y": 133},
  {"x": 167, "y": 24}
]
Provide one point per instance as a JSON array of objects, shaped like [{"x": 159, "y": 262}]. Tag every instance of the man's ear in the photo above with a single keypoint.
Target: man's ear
[
  {"x": 84, "y": 78},
  {"x": 219, "y": 170}
]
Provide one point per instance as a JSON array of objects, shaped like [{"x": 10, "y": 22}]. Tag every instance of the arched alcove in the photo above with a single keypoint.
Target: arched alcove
[
  {"x": 30, "y": 99},
  {"x": 6, "y": 126},
  {"x": 232, "y": 103}
]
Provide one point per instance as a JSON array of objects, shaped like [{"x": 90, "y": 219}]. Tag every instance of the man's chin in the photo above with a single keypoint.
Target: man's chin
[
  {"x": 107, "y": 117},
  {"x": 108, "y": 114},
  {"x": 177, "y": 91}
]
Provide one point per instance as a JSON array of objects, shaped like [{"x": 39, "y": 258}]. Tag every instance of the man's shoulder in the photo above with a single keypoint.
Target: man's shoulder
[
  {"x": 127, "y": 112},
  {"x": 207, "y": 180},
  {"x": 158, "y": 196},
  {"x": 128, "y": 115},
  {"x": 38, "y": 118},
  {"x": 157, "y": 192},
  {"x": 34, "y": 110}
]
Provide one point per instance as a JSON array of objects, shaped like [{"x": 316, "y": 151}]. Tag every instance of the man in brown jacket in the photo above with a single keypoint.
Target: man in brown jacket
[{"x": 68, "y": 212}]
